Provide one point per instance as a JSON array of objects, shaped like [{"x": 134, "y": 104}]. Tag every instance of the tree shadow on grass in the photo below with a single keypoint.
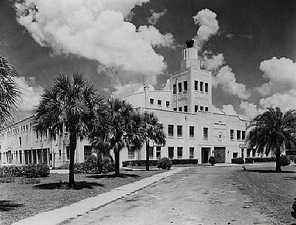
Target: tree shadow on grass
[
  {"x": 122, "y": 175},
  {"x": 6, "y": 205},
  {"x": 267, "y": 171},
  {"x": 78, "y": 185}
]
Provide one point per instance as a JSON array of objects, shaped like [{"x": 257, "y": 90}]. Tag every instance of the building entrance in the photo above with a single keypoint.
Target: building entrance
[
  {"x": 205, "y": 155},
  {"x": 219, "y": 154}
]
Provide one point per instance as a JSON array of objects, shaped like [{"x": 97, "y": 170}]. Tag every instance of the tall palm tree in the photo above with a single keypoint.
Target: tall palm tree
[
  {"x": 9, "y": 92},
  {"x": 73, "y": 102},
  {"x": 271, "y": 131},
  {"x": 153, "y": 131},
  {"x": 124, "y": 129}
]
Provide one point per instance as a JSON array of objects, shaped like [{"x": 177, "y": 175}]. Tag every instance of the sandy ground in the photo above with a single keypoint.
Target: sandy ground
[{"x": 201, "y": 195}]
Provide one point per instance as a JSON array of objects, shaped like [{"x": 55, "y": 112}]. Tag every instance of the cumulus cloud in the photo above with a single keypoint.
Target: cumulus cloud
[
  {"x": 30, "y": 93},
  {"x": 128, "y": 89},
  {"x": 229, "y": 109},
  {"x": 212, "y": 62},
  {"x": 250, "y": 110},
  {"x": 208, "y": 26},
  {"x": 97, "y": 30},
  {"x": 225, "y": 78},
  {"x": 280, "y": 73},
  {"x": 154, "y": 18}
]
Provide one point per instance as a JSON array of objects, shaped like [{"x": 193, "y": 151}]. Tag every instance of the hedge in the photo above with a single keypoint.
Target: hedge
[
  {"x": 31, "y": 171},
  {"x": 259, "y": 159},
  {"x": 237, "y": 160},
  {"x": 153, "y": 162}
]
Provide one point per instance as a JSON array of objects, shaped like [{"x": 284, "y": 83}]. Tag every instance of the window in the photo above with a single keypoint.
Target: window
[
  {"x": 21, "y": 160},
  {"x": 191, "y": 152},
  {"x": 179, "y": 131},
  {"x": 185, "y": 85},
  {"x": 171, "y": 130},
  {"x": 205, "y": 133},
  {"x": 20, "y": 140},
  {"x": 175, "y": 89},
  {"x": 158, "y": 152},
  {"x": 175, "y": 109},
  {"x": 201, "y": 108},
  {"x": 180, "y": 109},
  {"x": 196, "y": 108},
  {"x": 234, "y": 155},
  {"x": 180, "y": 152},
  {"x": 238, "y": 134},
  {"x": 231, "y": 134},
  {"x": 68, "y": 152},
  {"x": 201, "y": 86},
  {"x": 191, "y": 131},
  {"x": 171, "y": 152},
  {"x": 167, "y": 103},
  {"x": 180, "y": 87},
  {"x": 60, "y": 152},
  {"x": 206, "y": 109},
  {"x": 206, "y": 87},
  {"x": 185, "y": 108},
  {"x": 151, "y": 152},
  {"x": 196, "y": 85},
  {"x": 159, "y": 102},
  {"x": 131, "y": 153},
  {"x": 243, "y": 135},
  {"x": 151, "y": 101}
]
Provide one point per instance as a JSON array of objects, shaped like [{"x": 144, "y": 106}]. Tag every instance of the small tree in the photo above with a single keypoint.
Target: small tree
[
  {"x": 153, "y": 131},
  {"x": 271, "y": 131}
]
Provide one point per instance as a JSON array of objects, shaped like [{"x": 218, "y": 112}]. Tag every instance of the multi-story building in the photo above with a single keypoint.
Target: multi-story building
[{"x": 194, "y": 127}]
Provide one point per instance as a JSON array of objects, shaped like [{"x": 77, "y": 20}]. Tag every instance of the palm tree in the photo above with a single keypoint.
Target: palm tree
[
  {"x": 125, "y": 128},
  {"x": 153, "y": 131},
  {"x": 271, "y": 131},
  {"x": 71, "y": 102},
  {"x": 9, "y": 92}
]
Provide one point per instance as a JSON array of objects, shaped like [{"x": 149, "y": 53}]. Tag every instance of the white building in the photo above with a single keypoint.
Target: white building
[{"x": 195, "y": 128}]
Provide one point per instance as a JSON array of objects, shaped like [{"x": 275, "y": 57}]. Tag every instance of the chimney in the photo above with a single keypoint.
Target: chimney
[{"x": 190, "y": 56}]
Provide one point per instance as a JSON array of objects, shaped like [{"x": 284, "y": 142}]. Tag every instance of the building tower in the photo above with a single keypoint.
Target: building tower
[{"x": 191, "y": 87}]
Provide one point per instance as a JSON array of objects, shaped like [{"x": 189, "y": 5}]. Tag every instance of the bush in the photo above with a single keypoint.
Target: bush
[
  {"x": 92, "y": 165},
  {"x": 164, "y": 163},
  {"x": 106, "y": 165},
  {"x": 31, "y": 170},
  {"x": 259, "y": 159},
  {"x": 212, "y": 160},
  {"x": 284, "y": 160},
  {"x": 237, "y": 160},
  {"x": 153, "y": 162}
]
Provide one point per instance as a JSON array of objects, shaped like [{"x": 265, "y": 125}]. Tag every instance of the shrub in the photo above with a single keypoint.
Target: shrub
[
  {"x": 237, "y": 160},
  {"x": 212, "y": 160},
  {"x": 106, "y": 165},
  {"x": 284, "y": 160},
  {"x": 153, "y": 162},
  {"x": 164, "y": 163},
  {"x": 259, "y": 159},
  {"x": 31, "y": 170}
]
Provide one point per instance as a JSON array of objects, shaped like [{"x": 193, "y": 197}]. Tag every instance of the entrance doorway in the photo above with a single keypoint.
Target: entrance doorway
[
  {"x": 219, "y": 154},
  {"x": 205, "y": 155}
]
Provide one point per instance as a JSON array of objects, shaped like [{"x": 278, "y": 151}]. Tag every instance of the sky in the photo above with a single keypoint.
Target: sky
[{"x": 248, "y": 45}]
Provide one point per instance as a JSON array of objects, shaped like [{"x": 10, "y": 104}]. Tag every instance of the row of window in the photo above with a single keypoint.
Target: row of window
[
  {"x": 191, "y": 131},
  {"x": 185, "y": 108},
  {"x": 240, "y": 135},
  {"x": 159, "y": 102},
  {"x": 131, "y": 152},
  {"x": 198, "y": 86}
]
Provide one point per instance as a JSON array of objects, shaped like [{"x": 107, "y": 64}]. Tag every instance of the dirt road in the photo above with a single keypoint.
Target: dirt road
[{"x": 201, "y": 195}]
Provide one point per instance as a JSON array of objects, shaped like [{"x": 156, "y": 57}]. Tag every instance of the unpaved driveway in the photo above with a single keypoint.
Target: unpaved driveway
[{"x": 200, "y": 195}]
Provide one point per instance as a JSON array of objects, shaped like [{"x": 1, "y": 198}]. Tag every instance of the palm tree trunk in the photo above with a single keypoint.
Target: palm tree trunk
[
  {"x": 278, "y": 160},
  {"x": 116, "y": 154},
  {"x": 147, "y": 154},
  {"x": 73, "y": 144}
]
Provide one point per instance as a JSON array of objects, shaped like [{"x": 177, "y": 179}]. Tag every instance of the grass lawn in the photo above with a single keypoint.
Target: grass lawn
[
  {"x": 273, "y": 192},
  {"x": 18, "y": 201}
]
